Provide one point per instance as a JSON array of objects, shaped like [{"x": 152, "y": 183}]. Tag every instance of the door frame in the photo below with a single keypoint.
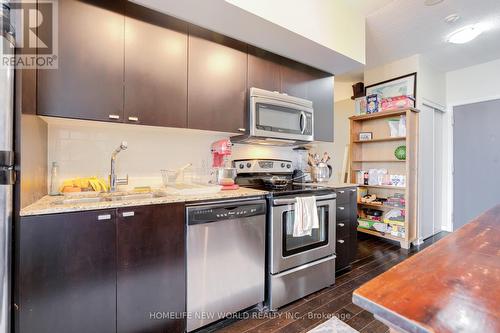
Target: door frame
[
  {"x": 449, "y": 145},
  {"x": 435, "y": 107}
]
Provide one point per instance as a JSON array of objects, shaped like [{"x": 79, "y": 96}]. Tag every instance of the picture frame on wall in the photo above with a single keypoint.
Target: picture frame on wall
[
  {"x": 405, "y": 85},
  {"x": 365, "y": 136}
]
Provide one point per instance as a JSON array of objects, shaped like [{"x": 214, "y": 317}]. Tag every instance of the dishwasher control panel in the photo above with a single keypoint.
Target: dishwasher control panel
[{"x": 197, "y": 215}]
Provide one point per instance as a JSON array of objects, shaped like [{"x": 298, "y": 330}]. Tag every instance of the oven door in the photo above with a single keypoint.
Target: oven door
[
  {"x": 287, "y": 251},
  {"x": 280, "y": 119}
]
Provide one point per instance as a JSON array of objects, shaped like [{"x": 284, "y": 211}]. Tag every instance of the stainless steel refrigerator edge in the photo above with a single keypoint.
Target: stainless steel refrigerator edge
[{"x": 6, "y": 171}]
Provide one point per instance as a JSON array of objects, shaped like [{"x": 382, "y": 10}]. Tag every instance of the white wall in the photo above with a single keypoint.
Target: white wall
[
  {"x": 343, "y": 90},
  {"x": 473, "y": 84},
  {"x": 83, "y": 149},
  {"x": 391, "y": 70},
  {"x": 336, "y": 25}
]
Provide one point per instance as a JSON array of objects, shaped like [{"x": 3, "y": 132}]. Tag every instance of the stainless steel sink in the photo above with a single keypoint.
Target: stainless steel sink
[
  {"x": 73, "y": 201},
  {"x": 136, "y": 196}
]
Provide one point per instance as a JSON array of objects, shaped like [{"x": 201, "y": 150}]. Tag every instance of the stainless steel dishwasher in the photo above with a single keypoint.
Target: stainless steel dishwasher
[{"x": 225, "y": 259}]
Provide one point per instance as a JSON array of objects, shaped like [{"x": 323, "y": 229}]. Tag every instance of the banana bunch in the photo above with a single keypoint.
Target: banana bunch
[{"x": 83, "y": 184}]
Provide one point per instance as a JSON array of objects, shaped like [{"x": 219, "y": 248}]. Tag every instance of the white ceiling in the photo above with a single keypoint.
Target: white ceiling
[{"x": 399, "y": 28}]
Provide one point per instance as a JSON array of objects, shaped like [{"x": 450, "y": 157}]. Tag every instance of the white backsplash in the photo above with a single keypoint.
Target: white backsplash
[{"x": 83, "y": 149}]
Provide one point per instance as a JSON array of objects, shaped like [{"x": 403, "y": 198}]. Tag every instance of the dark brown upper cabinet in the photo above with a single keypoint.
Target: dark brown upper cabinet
[
  {"x": 88, "y": 84},
  {"x": 151, "y": 268},
  {"x": 295, "y": 78},
  {"x": 217, "y": 81},
  {"x": 320, "y": 92},
  {"x": 264, "y": 70},
  {"x": 66, "y": 273},
  {"x": 155, "y": 68}
]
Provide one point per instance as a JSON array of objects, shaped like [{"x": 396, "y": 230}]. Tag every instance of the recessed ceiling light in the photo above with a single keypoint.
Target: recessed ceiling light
[
  {"x": 432, "y": 2},
  {"x": 452, "y": 18},
  {"x": 465, "y": 34}
]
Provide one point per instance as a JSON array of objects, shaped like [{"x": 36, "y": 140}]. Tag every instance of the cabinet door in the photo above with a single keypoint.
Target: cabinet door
[
  {"x": 264, "y": 70},
  {"x": 342, "y": 251},
  {"x": 67, "y": 273},
  {"x": 155, "y": 68},
  {"x": 151, "y": 268},
  {"x": 306, "y": 82},
  {"x": 320, "y": 92},
  {"x": 88, "y": 84},
  {"x": 295, "y": 78},
  {"x": 217, "y": 82}
]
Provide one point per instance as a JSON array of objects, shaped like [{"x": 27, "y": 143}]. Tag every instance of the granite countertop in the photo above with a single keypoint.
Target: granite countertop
[
  {"x": 50, "y": 205},
  {"x": 451, "y": 286}
]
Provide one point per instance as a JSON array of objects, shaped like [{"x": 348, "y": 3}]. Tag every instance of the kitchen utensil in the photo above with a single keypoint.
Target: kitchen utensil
[
  {"x": 325, "y": 158},
  {"x": 311, "y": 161},
  {"x": 320, "y": 173}
]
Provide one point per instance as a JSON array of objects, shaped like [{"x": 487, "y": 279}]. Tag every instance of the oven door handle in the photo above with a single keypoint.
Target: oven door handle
[{"x": 293, "y": 200}]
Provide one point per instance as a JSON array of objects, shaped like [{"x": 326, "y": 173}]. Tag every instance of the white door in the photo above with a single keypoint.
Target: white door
[{"x": 430, "y": 172}]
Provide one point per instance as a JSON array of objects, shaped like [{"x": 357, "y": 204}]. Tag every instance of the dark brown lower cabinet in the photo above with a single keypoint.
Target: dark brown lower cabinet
[
  {"x": 67, "y": 273},
  {"x": 346, "y": 225},
  {"x": 118, "y": 270},
  {"x": 150, "y": 276}
]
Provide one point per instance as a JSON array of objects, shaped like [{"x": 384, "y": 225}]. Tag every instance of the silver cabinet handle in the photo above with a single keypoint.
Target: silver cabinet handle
[
  {"x": 242, "y": 129},
  {"x": 340, "y": 224},
  {"x": 341, "y": 241},
  {"x": 353, "y": 190},
  {"x": 128, "y": 214},
  {"x": 341, "y": 192},
  {"x": 341, "y": 208},
  {"x": 104, "y": 217},
  {"x": 114, "y": 116},
  {"x": 133, "y": 119}
]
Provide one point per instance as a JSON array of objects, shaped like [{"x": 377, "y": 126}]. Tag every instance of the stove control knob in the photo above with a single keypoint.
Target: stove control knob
[
  {"x": 242, "y": 166},
  {"x": 282, "y": 165},
  {"x": 288, "y": 166},
  {"x": 249, "y": 165}
]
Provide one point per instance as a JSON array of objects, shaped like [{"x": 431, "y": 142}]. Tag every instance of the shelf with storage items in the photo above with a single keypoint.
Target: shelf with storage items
[{"x": 378, "y": 154}]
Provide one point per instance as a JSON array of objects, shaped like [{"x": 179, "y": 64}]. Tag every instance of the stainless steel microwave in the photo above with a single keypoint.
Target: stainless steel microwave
[{"x": 278, "y": 119}]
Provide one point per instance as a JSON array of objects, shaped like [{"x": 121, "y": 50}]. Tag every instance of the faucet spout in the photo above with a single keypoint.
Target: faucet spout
[{"x": 113, "y": 180}]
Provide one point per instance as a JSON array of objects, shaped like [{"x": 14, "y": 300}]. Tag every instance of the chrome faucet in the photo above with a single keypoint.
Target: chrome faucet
[{"x": 113, "y": 180}]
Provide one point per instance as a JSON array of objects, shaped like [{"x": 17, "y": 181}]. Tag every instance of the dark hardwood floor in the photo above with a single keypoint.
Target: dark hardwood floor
[{"x": 374, "y": 257}]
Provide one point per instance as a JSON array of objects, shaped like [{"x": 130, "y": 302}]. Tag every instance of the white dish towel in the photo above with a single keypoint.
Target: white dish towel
[{"x": 306, "y": 216}]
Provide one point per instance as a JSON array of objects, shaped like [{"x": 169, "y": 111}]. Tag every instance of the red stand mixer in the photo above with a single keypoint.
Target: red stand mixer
[{"x": 225, "y": 174}]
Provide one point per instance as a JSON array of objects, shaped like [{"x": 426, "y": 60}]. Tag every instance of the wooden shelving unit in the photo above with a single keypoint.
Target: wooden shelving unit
[{"x": 378, "y": 153}]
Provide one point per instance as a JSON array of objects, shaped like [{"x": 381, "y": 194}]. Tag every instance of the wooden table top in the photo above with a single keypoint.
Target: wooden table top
[{"x": 452, "y": 286}]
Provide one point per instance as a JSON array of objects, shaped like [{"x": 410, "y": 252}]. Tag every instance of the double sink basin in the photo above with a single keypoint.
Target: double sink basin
[{"x": 109, "y": 197}]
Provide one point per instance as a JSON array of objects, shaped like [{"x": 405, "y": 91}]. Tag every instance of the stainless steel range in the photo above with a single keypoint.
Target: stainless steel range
[{"x": 296, "y": 266}]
